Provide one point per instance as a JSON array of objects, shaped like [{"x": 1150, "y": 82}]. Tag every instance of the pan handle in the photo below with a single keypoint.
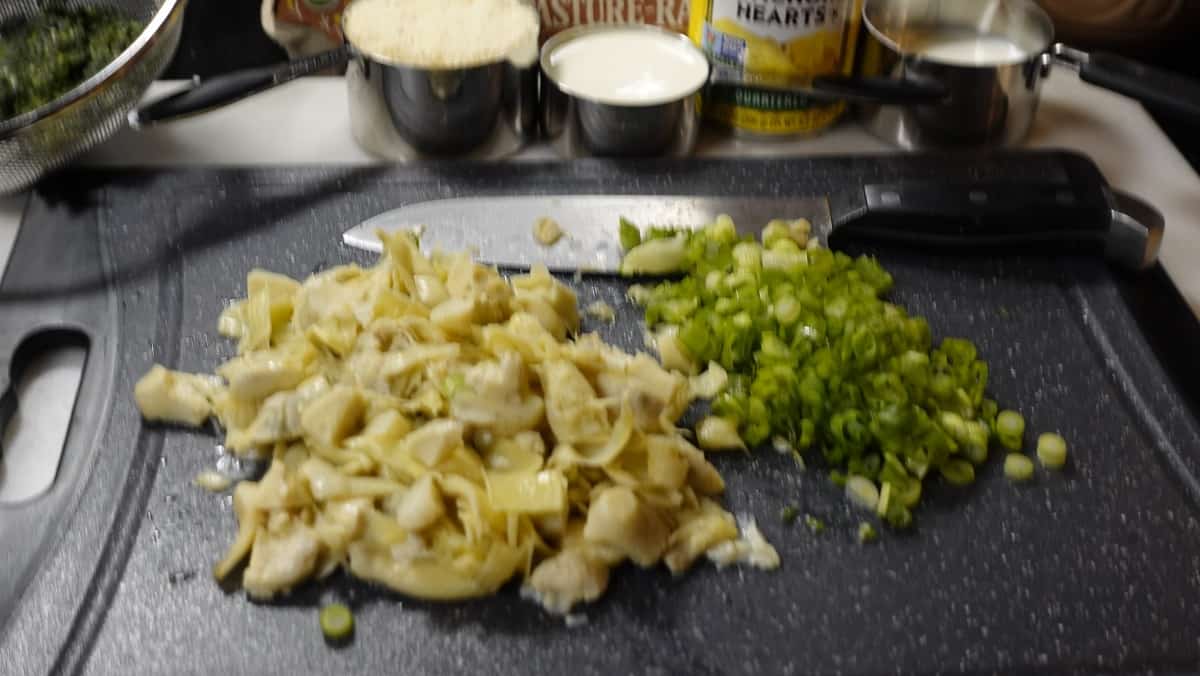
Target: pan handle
[
  {"x": 223, "y": 90},
  {"x": 1159, "y": 89},
  {"x": 882, "y": 91}
]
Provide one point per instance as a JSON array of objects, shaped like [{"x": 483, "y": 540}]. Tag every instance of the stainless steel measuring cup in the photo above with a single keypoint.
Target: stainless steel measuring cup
[
  {"x": 988, "y": 102},
  {"x": 397, "y": 112}
]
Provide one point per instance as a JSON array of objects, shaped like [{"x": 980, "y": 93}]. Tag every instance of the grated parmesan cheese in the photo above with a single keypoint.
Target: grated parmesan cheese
[{"x": 444, "y": 33}]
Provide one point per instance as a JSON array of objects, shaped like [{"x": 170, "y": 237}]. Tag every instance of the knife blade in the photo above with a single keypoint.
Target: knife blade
[
  {"x": 500, "y": 229},
  {"x": 1044, "y": 216}
]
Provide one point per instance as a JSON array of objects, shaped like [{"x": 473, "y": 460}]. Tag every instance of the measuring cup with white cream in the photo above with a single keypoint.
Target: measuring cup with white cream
[
  {"x": 991, "y": 57},
  {"x": 622, "y": 91}
]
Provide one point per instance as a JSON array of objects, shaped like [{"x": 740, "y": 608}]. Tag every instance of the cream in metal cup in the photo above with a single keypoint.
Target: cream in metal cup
[
  {"x": 397, "y": 111},
  {"x": 991, "y": 57},
  {"x": 622, "y": 91}
]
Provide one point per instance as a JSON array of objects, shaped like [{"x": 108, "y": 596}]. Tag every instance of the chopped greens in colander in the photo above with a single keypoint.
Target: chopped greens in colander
[{"x": 44, "y": 57}]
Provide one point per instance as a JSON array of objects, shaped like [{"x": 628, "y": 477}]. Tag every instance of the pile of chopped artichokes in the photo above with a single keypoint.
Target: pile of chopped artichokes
[{"x": 438, "y": 429}]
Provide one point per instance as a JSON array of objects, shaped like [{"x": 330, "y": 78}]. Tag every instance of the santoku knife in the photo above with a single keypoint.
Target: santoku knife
[{"x": 1042, "y": 216}]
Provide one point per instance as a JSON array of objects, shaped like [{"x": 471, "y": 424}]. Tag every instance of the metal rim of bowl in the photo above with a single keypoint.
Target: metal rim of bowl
[
  {"x": 572, "y": 33},
  {"x": 132, "y": 54},
  {"x": 1028, "y": 6}
]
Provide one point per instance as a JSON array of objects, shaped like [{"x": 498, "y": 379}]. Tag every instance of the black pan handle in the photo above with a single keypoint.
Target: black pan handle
[
  {"x": 989, "y": 215},
  {"x": 223, "y": 90},
  {"x": 879, "y": 90},
  {"x": 1159, "y": 89},
  {"x": 833, "y": 88}
]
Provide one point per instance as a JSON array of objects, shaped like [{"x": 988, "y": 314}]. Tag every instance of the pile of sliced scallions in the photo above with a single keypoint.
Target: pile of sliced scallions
[{"x": 817, "y": 359}]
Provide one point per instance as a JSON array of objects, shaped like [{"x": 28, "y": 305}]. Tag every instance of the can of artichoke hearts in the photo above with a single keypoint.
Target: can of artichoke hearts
[{"x": 793, "y": 39}]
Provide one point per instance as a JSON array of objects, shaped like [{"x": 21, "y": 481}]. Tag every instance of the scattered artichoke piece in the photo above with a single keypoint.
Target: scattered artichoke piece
[
  {"x": 212, "y": 481},
  {"x": 711, "y": 383},
  {"x": 175, "y": 397},
  {"x": 751, "y": 548},
  {"x": 547, "y": 231},
  {"x": 601, "y": 311},
  {"x": 718, "y": 434}
]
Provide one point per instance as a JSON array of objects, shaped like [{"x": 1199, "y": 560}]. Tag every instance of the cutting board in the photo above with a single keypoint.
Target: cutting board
[{"x": 1093, "y": 569}]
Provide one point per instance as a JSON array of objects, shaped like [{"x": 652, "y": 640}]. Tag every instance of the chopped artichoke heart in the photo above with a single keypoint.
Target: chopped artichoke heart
[
  {"x": 439, "y": 429},
  {"x": 672, "y": 353},
  {"x": 542, "y": 492},
  {"x": 601, "y": 311},
  {"x": 656, "y": 257},
  {"x": 547, "y": 231},
  {"x": 718, "y": 434},
  {"x": 212, "y": 481},
  {"x": 176, "y": 397},
  {"x": 751, "y": 549}
]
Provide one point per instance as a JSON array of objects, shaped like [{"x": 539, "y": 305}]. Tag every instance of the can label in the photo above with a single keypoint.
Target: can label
[
  {"x": 559, "y": 15},
  {"x": 793, "y": 39}
]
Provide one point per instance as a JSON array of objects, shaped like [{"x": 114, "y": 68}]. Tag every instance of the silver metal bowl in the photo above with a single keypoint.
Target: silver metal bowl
[{"x": 48, "y": 137}]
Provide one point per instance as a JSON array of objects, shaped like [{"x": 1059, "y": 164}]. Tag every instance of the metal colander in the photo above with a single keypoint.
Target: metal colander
[{"x": 43, "y": 139}]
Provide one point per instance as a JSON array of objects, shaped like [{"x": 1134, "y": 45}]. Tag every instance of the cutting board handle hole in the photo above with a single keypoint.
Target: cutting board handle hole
[{"x": 42, "y": 382}]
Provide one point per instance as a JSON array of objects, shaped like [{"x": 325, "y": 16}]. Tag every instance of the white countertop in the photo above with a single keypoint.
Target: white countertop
[{"x": 307, "y": 122}]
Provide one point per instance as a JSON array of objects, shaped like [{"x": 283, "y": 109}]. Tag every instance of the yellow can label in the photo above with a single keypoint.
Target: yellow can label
[{"x": 794, "y": 39}]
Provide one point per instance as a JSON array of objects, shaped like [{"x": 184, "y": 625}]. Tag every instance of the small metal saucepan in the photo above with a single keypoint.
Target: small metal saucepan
[
  {"x": 397, "y": 112},
  {"x": 990, "y": 57}
]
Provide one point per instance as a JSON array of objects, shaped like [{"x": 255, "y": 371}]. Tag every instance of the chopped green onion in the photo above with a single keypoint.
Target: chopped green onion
[
  {"x": 867, "y": 533},
  {"x": 818, "y": 358},
  {"x": 1018, "y": 467},
  {"x": 788, "y": 514},
  {"x": 814, "y": 524},
  {"x": 862, "y": 492},
  {"x": 1052, "y": 450},
  {"x": 631, "y": 236},
  {"x": 775, "y": 231},
  {"x": 885, "y": 499},
  {"x": 975, "y": 447},
  {"x": 656, "y": 257},
  {"x": 337, "y": 622},
  {"x": 958, "y": 472},
  {"x": 1010, "y": 429}
]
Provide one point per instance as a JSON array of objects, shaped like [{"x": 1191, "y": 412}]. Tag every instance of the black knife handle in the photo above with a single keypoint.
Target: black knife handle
[{"x": 1021, "y": 214}]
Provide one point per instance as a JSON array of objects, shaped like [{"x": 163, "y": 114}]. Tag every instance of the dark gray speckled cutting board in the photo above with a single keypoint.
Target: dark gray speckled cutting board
[{"x": 1096, "y": 569}]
